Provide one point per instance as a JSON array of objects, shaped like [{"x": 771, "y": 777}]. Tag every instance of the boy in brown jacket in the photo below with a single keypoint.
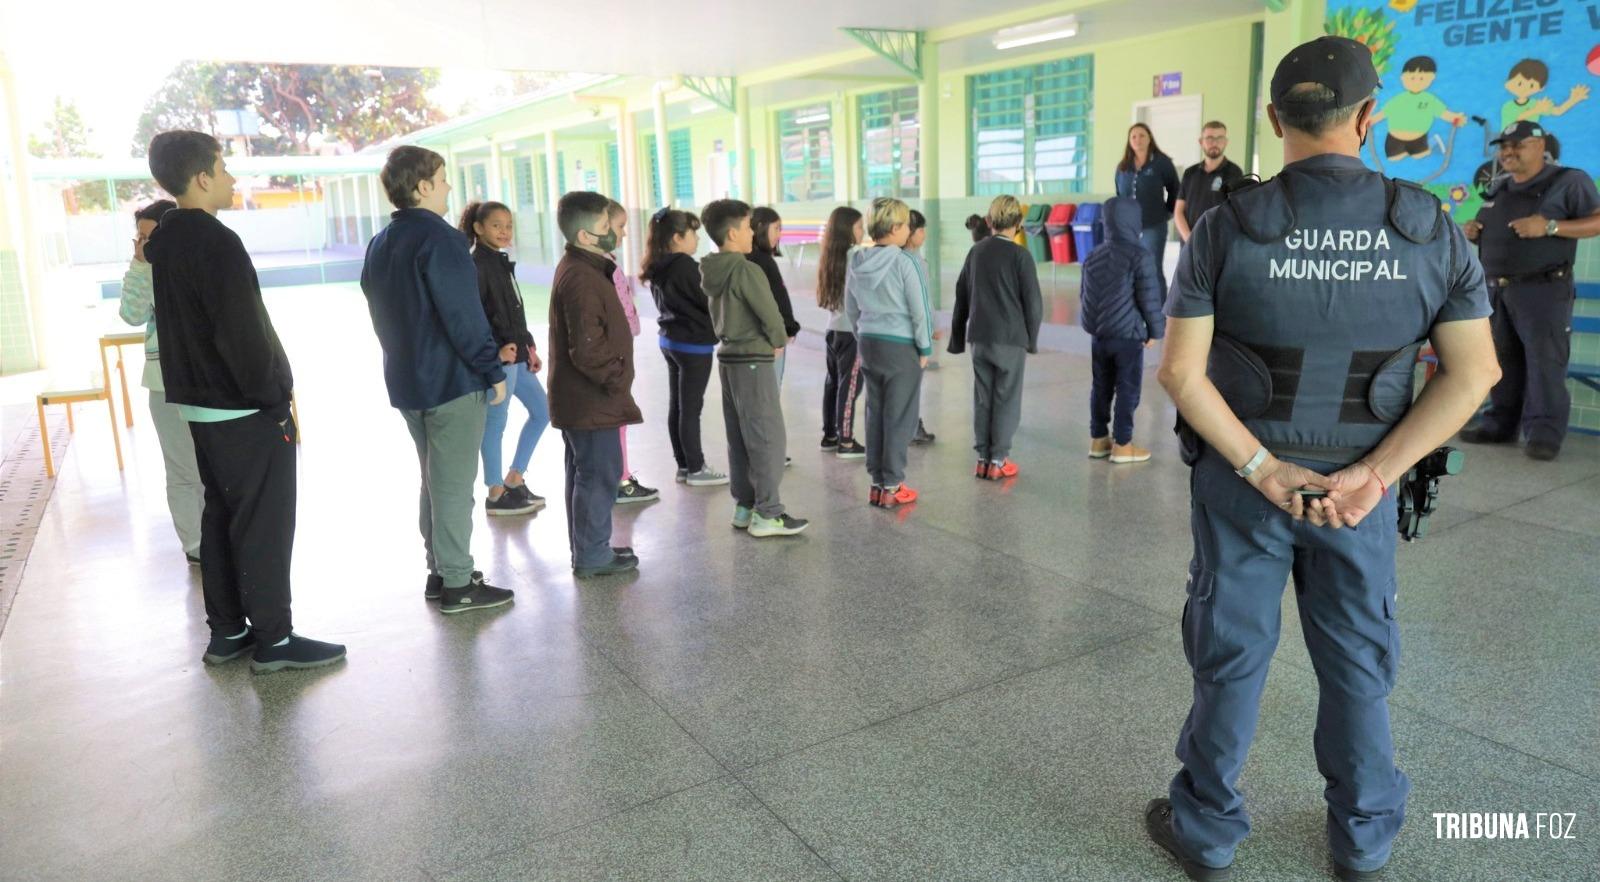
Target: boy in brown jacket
[{"x": 591, "y": 375}]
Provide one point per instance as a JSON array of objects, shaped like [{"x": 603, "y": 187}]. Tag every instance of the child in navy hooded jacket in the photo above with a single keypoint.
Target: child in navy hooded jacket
[{"x": 1120, "y": 307}]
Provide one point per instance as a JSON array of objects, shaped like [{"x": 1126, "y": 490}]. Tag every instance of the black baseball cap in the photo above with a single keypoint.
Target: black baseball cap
[
  {"x": 1520, "y": 130},
  {"x": 1339, "y": 63}
]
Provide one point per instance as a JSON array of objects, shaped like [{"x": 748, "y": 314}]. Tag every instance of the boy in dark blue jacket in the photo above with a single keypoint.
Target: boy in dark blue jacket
[
  {"x": 1120, "y": 307},
  {"x": 439, "y": 362}
]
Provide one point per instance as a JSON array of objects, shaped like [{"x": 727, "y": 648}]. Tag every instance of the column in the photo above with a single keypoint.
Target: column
[
  {"x": 744, "y": 160},
  {"x": 663, "y": 148},
  {"x": 928, "y": 165}
]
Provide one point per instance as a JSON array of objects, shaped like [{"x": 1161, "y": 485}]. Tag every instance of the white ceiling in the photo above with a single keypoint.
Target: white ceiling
[{"x": 643, "y": 37}]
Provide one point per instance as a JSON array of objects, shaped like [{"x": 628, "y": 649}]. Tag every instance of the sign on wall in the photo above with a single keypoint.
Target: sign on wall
[
  {"x": 1167, "y": 84},
  {"x": 1456, "y": 72}
]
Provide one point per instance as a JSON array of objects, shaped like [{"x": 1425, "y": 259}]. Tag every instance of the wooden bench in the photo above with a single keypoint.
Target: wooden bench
[
  {"x": 117, "y": 341},
  {"x": 69, "y": 398}
]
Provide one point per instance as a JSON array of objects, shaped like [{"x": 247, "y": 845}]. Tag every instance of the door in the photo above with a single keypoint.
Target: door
[{"x": 1176, "y": 122}]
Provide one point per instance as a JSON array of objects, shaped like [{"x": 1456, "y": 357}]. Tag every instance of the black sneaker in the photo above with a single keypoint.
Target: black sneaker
[
  {"x": 682, "y": 477},
  {"x": 523, "y": 491},
  {"x": 923, "y": 436},
  {"x": 852, "y": 449},
  {"x": 1481, "y": 435},
  {"x": 193, "y": 559},
  {"x": 1158, "y": 823},
  {"x": 830, "y": 443},
  {"x": 226, "y": 649},
  {"x": 1543, "y": 451},
  {"x": 510, "y": 503},
  {"x": 619, "y": 563},
  {"x": 435, "y": 587},
  {"x": 298, "y": 653},
  {"x": 1347, "y": 874},
  {"x": 477, "y": 594},
  {"x": 632, "y": 491}
]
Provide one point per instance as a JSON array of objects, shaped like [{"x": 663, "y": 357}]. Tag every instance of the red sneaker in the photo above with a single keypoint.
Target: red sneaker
[
  {"x": 1001, "y": 470},
  {"x": 982, "y": 470},
  {"x": 875, "y": 495},
  {"x": 902, "y": 495}
]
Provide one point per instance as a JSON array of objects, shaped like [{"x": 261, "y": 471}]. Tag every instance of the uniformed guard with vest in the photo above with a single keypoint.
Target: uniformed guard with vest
[
  {"x": 1527, "y": 233},
  {"x": 1297, "y": 312}
]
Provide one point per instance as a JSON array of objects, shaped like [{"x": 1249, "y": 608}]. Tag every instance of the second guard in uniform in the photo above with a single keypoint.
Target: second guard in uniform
[
  {"x": 1527, "y": 233},
  {"x": 1297, "y": 312}
]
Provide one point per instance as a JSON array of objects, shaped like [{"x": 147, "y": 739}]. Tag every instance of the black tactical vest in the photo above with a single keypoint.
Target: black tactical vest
[
  {"x": 1504, "y": 254},
  {"x": 1329, "y": 280}
]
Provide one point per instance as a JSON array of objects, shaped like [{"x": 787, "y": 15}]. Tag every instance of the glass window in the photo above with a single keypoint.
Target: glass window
[
  {"x": 480, "y": 182},
  {"x": 1030, "y": 128},
  {"x": 614, "y": 169},
  {"x": 805, "y": 152},
  {"x": 522, "y": 176},
  {"x": 561, "y": 172},
  {"x": 678, "y": 153},
  {"x": 682, "y": 166},
  {"x": 890, "y": 132}
]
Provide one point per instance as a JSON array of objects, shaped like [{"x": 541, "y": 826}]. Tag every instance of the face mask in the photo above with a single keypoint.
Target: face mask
[{"x": 606, "y": 243}]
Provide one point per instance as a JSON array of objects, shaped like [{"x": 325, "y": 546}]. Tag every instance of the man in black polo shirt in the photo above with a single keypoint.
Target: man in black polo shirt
[{"x": 1202, "y": 182}]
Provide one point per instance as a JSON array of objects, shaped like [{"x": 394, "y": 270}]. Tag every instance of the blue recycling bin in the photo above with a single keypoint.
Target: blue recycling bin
[{"x": 1087, "y": 230}]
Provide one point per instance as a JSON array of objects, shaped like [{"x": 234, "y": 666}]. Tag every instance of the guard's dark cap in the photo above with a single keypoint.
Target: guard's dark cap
[
  {"x": 1519, "y": 131},
  {"x": 1339, "y": 63}
]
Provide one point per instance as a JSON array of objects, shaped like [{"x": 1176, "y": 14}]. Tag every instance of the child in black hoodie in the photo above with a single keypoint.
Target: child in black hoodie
[
  {"x": 687, "y": 341},
  {"x": 768, "y": 229},
  {"x": 223, "y": 366}
]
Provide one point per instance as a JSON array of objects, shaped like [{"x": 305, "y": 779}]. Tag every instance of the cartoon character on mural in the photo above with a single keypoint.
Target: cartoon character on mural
[
  {"x": 1528, "y": 78},
  {"x": 1411, "y": 113},
  {"x": 1468, "y": 73}
]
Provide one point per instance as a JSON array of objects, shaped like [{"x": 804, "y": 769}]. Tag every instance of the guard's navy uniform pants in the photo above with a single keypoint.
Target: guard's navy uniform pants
[
  {"x": 1245, "y": 551},
  {"x": 1533, "y": 339}
]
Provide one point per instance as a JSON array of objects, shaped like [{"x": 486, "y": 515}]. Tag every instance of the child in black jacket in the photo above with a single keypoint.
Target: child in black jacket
[
  {"x": 688, "y": 342},
  {"x": 488, "y": 227},
  {"x": 768, "y": 229},
  {"x": 224, "y": 368}
]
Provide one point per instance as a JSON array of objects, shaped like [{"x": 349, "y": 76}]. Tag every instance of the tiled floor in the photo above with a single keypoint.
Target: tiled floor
[{"x": 988, "y": 686}]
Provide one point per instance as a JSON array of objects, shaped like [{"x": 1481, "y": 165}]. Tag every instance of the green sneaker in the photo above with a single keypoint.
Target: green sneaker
[
  {"x": 741, "y": 517},
  {"x": 782, "y": 525}
]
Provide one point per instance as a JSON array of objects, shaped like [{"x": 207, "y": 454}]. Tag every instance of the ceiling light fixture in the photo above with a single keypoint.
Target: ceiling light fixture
[{"x": 1037, "y": 32}]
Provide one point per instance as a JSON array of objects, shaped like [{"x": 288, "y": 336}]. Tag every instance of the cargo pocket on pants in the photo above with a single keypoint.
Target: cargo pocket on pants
[
  {"x": 1389, "y": 666},
  {"x": 1199, "y": 613}
]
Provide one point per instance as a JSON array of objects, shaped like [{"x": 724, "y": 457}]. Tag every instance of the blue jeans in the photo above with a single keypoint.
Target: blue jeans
[
  {"x": 1119, "y": 375},
  {"x": 1154, "y": 239},
  {"x": 523, "y": 385}
]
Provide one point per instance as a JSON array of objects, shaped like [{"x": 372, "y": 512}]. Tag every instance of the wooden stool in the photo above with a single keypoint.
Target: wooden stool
[
  {"x": 69, "y": 399},
  {"x": 117, "y": 341}
]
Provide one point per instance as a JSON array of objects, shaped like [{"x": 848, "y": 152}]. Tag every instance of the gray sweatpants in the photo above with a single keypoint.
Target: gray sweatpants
[
  {"x": 753, "y": 417},
  {"x": 996, "y": 398},
  {"x": 448, "y": 438},
  {"x": 185, "y": 494},
  {"x": 893, "y": 375}
]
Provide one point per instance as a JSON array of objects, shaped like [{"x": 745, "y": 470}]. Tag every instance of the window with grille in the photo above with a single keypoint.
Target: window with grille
[
  {"x": 1031, "y": 128},
  {"x": 805, "y": 152},
  {"x": 890, "y": 133},
  {"x": 614, "y": 170},
  {"x": 522, "y": 178},
  {"x": 480, "y": 182},
  {"x": 682, "y": 166},
  {"x": 682, "y": 159}
]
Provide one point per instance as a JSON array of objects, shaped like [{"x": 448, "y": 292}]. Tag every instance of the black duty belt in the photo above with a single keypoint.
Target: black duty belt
[{"x": 1554, "y": 275}]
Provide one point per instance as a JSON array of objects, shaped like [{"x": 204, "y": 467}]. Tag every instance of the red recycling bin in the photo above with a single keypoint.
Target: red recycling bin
[{"x": 1059, "y": 226}]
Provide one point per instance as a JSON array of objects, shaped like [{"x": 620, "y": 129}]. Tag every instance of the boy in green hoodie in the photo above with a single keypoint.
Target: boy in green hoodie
[{"x": 750, "y": 333}]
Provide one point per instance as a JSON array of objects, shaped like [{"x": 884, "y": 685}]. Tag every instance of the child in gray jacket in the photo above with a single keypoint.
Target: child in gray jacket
[{"x": 886, "y": 300}]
